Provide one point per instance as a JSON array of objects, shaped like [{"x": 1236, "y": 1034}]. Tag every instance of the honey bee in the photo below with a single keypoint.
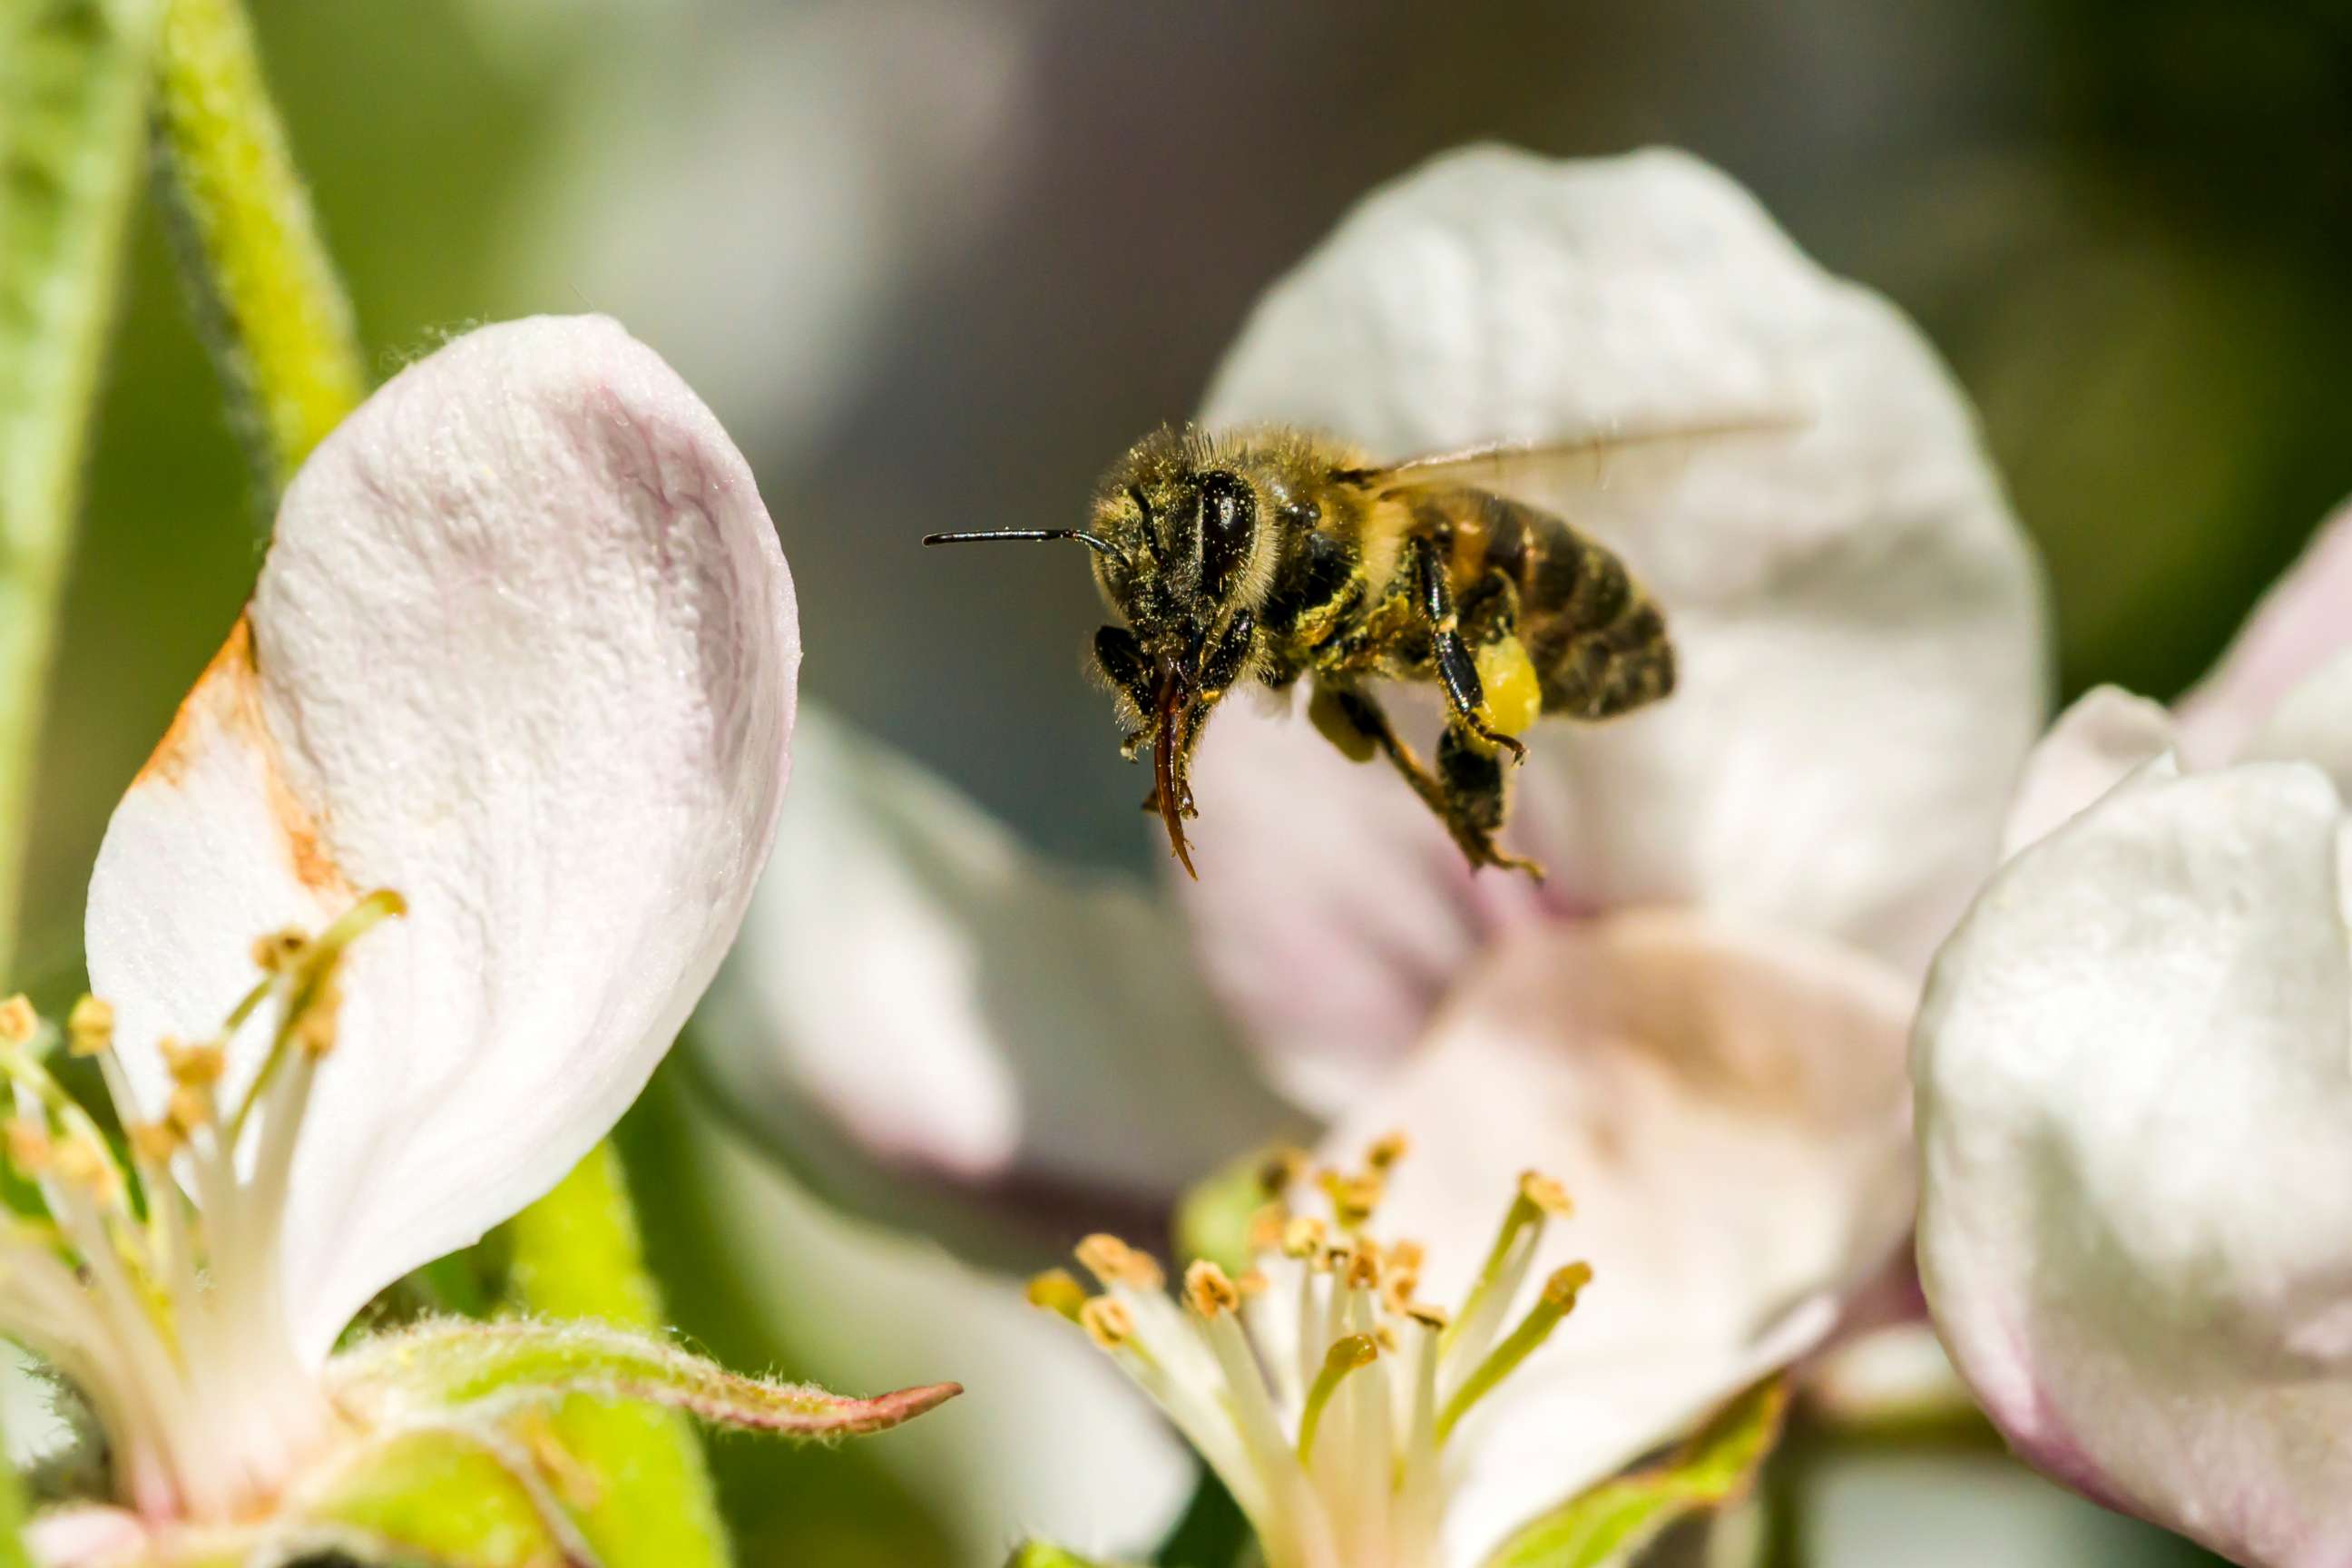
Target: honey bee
[{"x": 1273, "y": 555}]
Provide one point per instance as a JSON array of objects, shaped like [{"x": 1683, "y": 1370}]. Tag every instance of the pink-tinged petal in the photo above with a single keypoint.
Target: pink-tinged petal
[
  {"x": 915, "y": 994},
  {"x": 2134, "y": 1072},
  {"x": 2301, "y": 624},
  {"x": 525, "y": 650},
  {"x": 2096, "y": 744},
  {"x": 1858, "y": 616},
  {"x": 85, "y": 1535},
  {"x": 1727, "y": 1106}
]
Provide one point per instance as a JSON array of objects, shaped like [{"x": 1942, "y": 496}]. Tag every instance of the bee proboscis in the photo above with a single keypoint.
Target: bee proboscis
[{"x": 1273, "y": 554}]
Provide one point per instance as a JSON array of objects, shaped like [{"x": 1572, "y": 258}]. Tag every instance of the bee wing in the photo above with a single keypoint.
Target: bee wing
[{"x": 1603, "y": 469}]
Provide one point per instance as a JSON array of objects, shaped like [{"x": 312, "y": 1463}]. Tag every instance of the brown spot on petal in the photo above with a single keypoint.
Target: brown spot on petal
[{"x": 226, "y": 706}]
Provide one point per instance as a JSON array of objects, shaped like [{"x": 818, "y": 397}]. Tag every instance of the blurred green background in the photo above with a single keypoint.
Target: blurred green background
[{"x": 935, "y": 262}]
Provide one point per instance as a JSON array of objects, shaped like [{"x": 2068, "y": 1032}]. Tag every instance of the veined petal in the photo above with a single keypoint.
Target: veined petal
[
  {"x": 2134, "y": 1068},
  {"x": 1858, "y": 614},
  {"x": 915, "y": 992},
  {"x": 1728, "y": 1108},
  {"x": 524, "y": 649},
  {"x": 2098, "y": 741},
  {"x": 2299, "y": 625}
]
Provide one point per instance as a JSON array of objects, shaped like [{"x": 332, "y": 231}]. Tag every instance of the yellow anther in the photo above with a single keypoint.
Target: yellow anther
[
  {"x": 1561, "y": 1289},
  {"x": 1545, "y": 1195},
  {"x": 1386, "y": 1151},
  {"x": 90, "y": 1168},
  {"x": 1057, "y": 1291},
  {"x": 1108, "y": 1322},
  {"x": 1265, "y": 1227},
  {"x": 1407, "y": 1255},
  {"x": 1354, "y": 1199},
  {"x": 90, "y": 1028},
  {"x": 1281, "y": 1171},
  {"x": 155, "y": 1142},
  {"x": 193, "y": 1066},
  {"x": 1250, "y": 1282},
  {"x": 188, "y": 1109},
  {"x": 1209, "y": 1290},
  {"x": 279, "y": 951},
  {"x": 1398, "y": 1287},
  {"x": 1114, "y": 1262},
  {"x": 29, "y": 1147},
  {"x": 1302, "y": 1236},
  {"x": 1364, "y": 1268},
  {"x": 1430, "y": 1318},
  {"x": 18, "y": 1022},
  {"x": 1385, "y": 1337}
]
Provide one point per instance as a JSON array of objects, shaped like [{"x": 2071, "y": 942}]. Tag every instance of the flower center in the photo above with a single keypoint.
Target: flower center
[
  {"x": 157, "y": 1288},
  {"x": 1316, "y": 1384}
]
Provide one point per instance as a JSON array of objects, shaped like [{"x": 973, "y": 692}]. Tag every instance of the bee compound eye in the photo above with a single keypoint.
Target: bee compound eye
[{"x": 1228, "y": 528}]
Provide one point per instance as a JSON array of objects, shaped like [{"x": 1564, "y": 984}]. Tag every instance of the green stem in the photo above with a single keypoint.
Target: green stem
[
  {"x": 281, "y": 330},
  {"x": 275, "y": 313},
  {"x": 576, "y": 1254},
  {"x": 73, "y": 100}
]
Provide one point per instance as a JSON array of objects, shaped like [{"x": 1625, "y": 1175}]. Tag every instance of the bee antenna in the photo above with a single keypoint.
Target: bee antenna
[{"x": 1099, "y": 545}]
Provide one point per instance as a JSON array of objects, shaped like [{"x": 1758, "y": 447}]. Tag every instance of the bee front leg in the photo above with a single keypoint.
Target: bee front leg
[{"x": 1457, "y": 666}]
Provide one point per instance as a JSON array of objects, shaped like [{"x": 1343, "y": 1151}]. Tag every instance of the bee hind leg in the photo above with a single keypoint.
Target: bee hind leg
[
  {"x": 1457, "y": 666},
  {"x": 1466, "y": 791}
]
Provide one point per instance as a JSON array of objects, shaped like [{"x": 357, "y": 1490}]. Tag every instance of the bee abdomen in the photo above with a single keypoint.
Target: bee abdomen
[{"x": 1600, "y": 644}]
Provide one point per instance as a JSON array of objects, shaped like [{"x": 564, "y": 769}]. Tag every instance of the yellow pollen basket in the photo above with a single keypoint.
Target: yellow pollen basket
[{"x": 1507, "y": 677}]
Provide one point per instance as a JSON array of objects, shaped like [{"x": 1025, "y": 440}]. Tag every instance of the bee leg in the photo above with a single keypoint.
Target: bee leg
[
  {"x": 1457, "y": 668},
  {"x": 1475, "y": 791}
]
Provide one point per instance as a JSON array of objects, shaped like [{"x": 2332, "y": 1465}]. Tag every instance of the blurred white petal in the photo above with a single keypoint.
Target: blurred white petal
[
  {"x": 1727, "y": 1108},
  {"x": 1048, "y": 1439},
  {"x": 1858, "y": 614},
  {"x": 1888, "y": 1508},
  {"x": 524, "y": 651},
  {"x": 2134, "y": 1068},
  {"x": 915, "y": 994}
]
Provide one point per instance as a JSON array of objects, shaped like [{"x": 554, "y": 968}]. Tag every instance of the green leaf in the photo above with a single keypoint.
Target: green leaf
[
  {"x": 456, "y": 1365},
  {"x": 73, "y": 100},
  {"x": 1040, "y": 1555},
  {"x": 1616, "y": 1518}
]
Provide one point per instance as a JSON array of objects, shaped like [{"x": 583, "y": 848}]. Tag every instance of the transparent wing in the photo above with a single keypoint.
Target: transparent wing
[{"x": 1605, "y": 470}]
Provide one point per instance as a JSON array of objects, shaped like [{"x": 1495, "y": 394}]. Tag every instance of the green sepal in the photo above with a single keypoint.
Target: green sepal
[
  {"x": 453, "y": 1365},
  {"x": 1617, "y": 1518},
  {"x": 1213, "y": 1217},
  {"x": 447, "y": 1496}
]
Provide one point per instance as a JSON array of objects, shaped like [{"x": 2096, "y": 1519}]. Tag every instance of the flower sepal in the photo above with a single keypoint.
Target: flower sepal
[
  {"x": 446, "y": 1452},
  {"x": 455, "y": 1368},
  {"x": 1613, "y": 1522}
]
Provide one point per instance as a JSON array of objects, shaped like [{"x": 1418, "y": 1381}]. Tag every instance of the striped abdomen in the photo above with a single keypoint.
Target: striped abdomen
[{"x": 1598, "y": 643}]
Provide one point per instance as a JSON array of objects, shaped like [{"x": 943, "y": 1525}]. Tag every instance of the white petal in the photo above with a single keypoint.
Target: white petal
[
  {"x": 1728, "y": 1110},
  {"x": 916, "y": 994},
  {"x": 2311, "y": 724},
  {"x": 2134, "y": 1067},
  {"x": 1048, "y": 1440},
  {"x": 2093, "y": 746},
  {"x": 524, "y": 649},
  {"x": 2300, "y": 624},
  {"x": 87, "y": 1535},
  {"x": 1858, "y": 614}
]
